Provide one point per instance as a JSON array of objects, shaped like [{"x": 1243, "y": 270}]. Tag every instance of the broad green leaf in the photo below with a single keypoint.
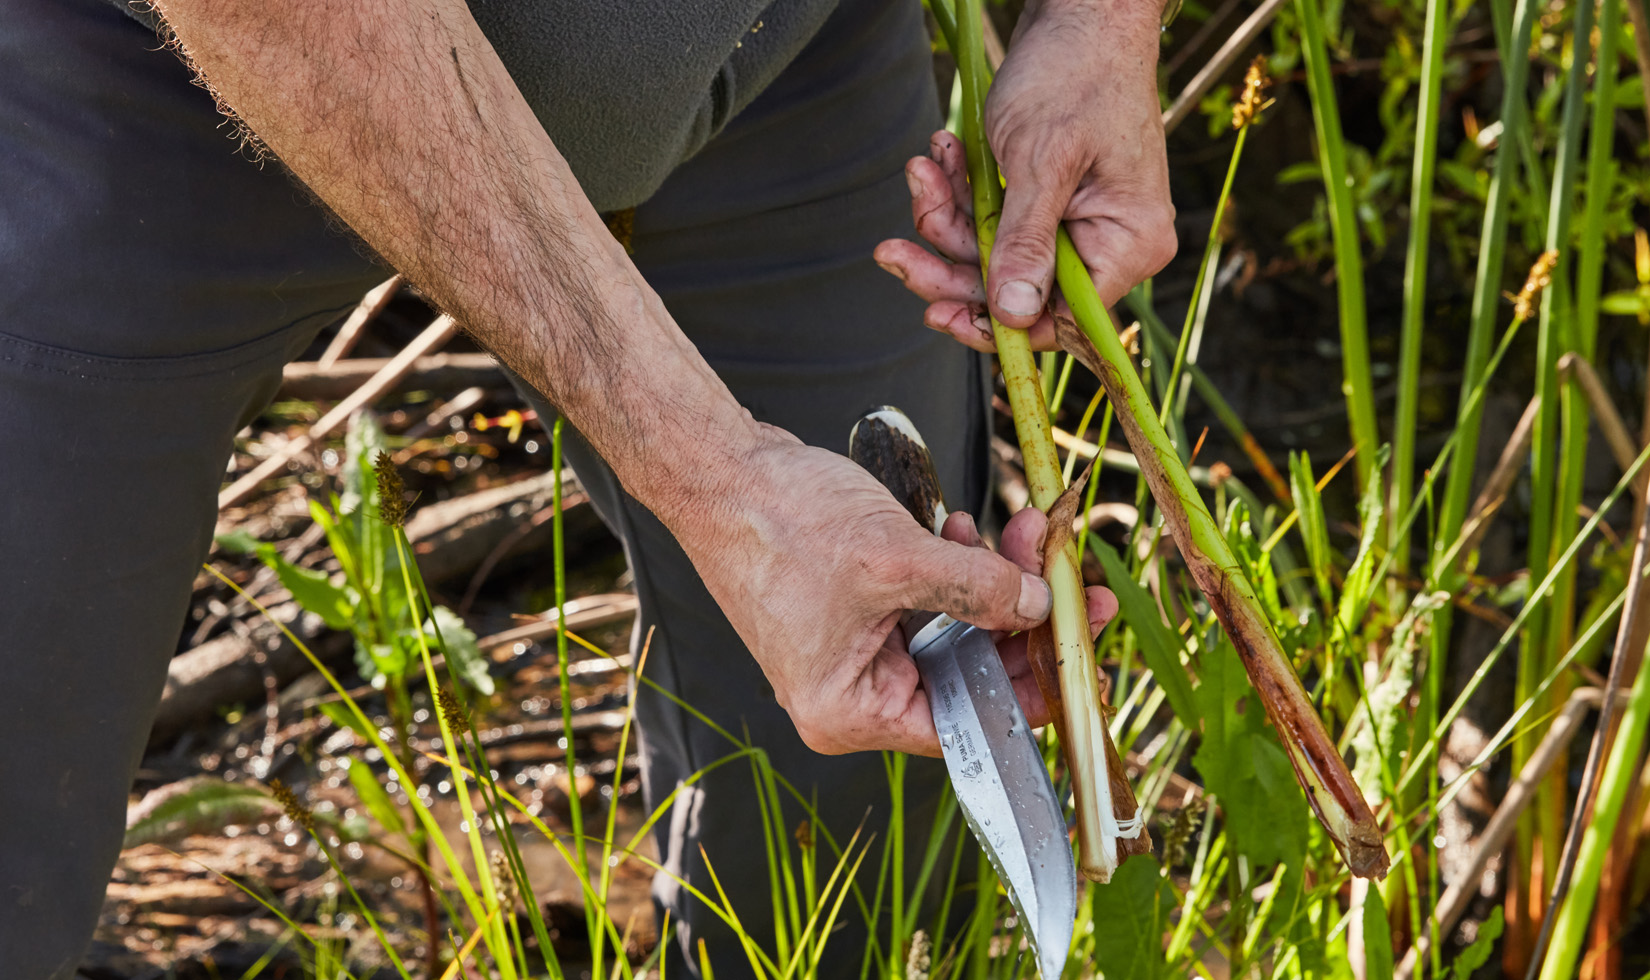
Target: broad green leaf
[
  {"x": 464, "y": 657},
  {"x": 1377, "y": 937},
  {"x": 1314, "y": 529},
  {"x": 374, "y": 798},
  {"x": 1131, "y": 916},
  {"x": 313, "y": 590},
  {"x": 1159, "y": 645},
  {"x": 1478, "y": 953},
  {"x": 1244, "y": 766},
  {"x": 201, "y": 805}
]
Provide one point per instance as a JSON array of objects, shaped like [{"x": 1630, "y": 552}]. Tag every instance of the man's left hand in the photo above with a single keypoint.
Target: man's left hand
[{"x": 1074, "y": 121}]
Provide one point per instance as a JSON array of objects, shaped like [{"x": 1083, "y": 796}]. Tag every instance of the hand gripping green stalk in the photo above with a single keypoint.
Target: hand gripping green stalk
[
  {"x": 1330, "y": 789},
  {"x": 1099, "y": 792}
]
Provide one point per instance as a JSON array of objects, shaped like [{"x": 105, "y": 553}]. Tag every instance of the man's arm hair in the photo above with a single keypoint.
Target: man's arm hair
[{"x": 401, "y": 118}]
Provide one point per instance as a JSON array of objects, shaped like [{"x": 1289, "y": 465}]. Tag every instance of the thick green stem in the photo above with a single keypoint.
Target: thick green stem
[
  {"x": 1084, "y": 725},
  {"x": 1343, "y": 222},
  {"x": 1323, "y": 774}
]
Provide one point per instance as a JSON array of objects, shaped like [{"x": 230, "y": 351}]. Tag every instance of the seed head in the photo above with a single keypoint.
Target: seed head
[
  {"x": 1253, "y": 100},
  {"x": 392, "y": 493},
  {"x": 1219, "y": 473},
  {"x": 917, "y": 961},
  {"x": 294, "y": 807},
  {"x": 1181, "y": 827},
  {"x": 1541, "y": 275},
  {"x": 458, "y": 721},
  {"x": 504, "y": 880}
]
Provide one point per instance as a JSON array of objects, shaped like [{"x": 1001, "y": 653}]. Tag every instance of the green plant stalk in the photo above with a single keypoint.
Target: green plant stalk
[
  {"x": 1570, "y": 930},
  {"x": 1406, "y": 413},
  {"x": 1549, "y": 810},
  {"x": 1486, "y": 300},
  {"x": 1098, "y": 827},
  {"x": 1552, "y": 507},
  {"x": 498, "y": 943},
  {"x": 1343, "y": 222},
  {"x": 466, "y": 890},
  {"x": 1335, "y": 797},
  {"x": 1202, "y": 288}
]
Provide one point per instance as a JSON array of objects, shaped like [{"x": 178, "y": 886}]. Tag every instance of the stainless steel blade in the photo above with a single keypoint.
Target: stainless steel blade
[{"x": 1001, "y": 782}]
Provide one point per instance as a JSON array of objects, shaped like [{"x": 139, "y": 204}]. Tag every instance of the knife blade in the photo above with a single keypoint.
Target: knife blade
[{"x": 991, "y": 753}]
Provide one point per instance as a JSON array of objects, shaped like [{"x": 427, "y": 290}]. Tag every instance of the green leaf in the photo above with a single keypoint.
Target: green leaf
[
  {"x": 1628, "y": 302},
  {"x": 1303, "y": 487},
  {"x": 1382, "y": 724},
  {"x": 238, "y": 542},
  {"x": 1244, "y": 766},
  {"x": 201, "y": 805},
  {"x": 1630, "y": 93},
  {"x": 378, "y": 662},
  {"x": 464, "y": 657},
  {"x": 345, "y": 718},
  {"x": 1360, "y": 585},
  {"x": 1307, "y": 171},
  {"x": 1159, "y": 645},
  {"x": 374, "y": 798},
  {"x": 1377, "y": 937},
  {"x": 1478, "y": 953},
  {"x": 313, "y": 590},
  {"x": 1131, "y": 914}
]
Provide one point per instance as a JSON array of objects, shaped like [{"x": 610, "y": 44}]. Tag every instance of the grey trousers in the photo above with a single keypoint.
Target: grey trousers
[{"x": 152, "y": 285}]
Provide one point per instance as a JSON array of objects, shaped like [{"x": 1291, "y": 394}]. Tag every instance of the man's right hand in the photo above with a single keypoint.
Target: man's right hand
[{"x": 814, "y": 561}]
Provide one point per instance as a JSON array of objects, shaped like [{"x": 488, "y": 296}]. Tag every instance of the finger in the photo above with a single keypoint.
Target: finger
[
  {"x": 946, "y": 150},
  {"x": 960, "y": 527},
  {"x": 936, "y": 211},
  {"x": 1102, "y": 608},
  {"x": 967, "y": 322},
  {"x": 1022, "y": 258},
  {"x": 1026, "y": 688},
  {"x": 928, "y": 275},
  {"x": 1023, "y": 538},
  {"x": 970, "y": 584}
]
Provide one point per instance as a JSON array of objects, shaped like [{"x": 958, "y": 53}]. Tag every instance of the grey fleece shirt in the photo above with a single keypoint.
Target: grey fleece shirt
[{"x": 629, "y": 89}]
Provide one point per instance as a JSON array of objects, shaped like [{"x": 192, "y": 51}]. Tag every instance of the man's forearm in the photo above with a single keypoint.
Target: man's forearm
[{"x": 402, "y": 119}]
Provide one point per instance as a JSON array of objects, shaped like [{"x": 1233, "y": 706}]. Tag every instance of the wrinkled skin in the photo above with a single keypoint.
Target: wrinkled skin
[{"x": 1081, "y": 144}]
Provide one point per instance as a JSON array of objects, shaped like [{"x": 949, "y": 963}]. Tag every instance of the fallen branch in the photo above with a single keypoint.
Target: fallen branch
[
  {"x": 312, "y": 381},
  {"x": 436, "y": 334},
  {"x": 364, "y": 313},
  {"x": 1464, "y": 889}
]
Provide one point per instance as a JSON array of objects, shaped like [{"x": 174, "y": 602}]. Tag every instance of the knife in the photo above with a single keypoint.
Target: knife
[{"x": 990, "y": 751}]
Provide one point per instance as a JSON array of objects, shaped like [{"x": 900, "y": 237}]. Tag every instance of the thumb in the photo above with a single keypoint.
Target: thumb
[
  {"x": 974, "y": 585},
  {"x": 1022, "y": 257}
]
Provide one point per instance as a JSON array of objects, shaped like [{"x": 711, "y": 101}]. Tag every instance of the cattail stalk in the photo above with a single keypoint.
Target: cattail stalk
[{"x": 1082, "y": 728}]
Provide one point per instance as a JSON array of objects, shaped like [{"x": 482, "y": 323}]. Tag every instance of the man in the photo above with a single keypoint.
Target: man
[{"x": 155, "y": 285}]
